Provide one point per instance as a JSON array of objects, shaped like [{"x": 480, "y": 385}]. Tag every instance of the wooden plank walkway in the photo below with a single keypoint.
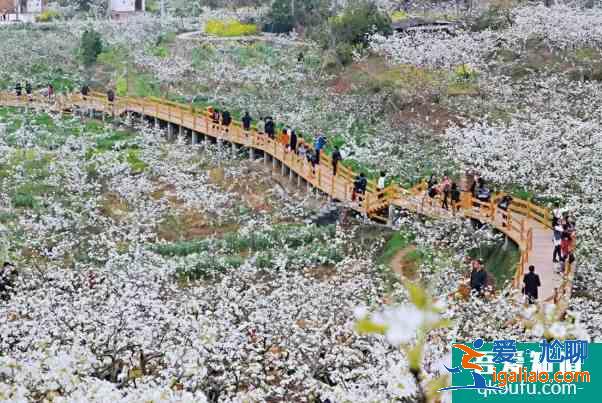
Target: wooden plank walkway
[{"x": 528, "y": 225}]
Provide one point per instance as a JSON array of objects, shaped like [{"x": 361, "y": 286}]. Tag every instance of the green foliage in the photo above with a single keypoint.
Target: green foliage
[
  {"x": 499, "y": 262},
  {"x": 47, "y": 16},
  {"x": 90, "y": 47},
  {"x": 202, "y": 54},
  {"x": 7, "y": 216},
  {"x": 121, "y": 86},
  {"x": 397, "y": 242},
  {"x": 281, "y": 17},
  {"x": 160, "y": 51},
  {"x": 284, "y": 15},
  {"x": 305, "y": 246},
  {"x": 134, "y": 161},
  {"x": 115, "y": 57},
  {"x": 350, "y": 29},
  {"x": 229, "y": 28},
  {"x": 495, "y": 18},
  {"x": 399, "y": 16},
  {"x": 113, "y": 141},
  {"x": 24, "y": 200},
  {"x": 358, "y": 20}
]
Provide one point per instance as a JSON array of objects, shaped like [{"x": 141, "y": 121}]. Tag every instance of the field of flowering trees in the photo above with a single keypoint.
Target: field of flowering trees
[{"x": 159, "y": 271}]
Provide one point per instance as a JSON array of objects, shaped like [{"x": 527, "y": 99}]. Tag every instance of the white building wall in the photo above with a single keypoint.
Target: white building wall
[
  {"x": 122, "y": 6},
  {"x": 34, "y": 6}
]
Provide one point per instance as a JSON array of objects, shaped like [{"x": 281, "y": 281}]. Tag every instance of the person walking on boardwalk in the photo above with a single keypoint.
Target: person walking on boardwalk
[
  {"x": 50, "y": 91},
  {"x": 226, "y": 120},
  {"x": 283, "y": 138},
  {"x": 431, "y": 191},
  {"x": 85, "y": 91},
  {"x": 380, "y": 186},
  {"x": 111, "y": 100},
  {"x": 293, "y": 141},
  {"x": 455, "y": 197},
  {"x": 246, "y": 122},
  {"x": 302, "y": 150},
  {"x": 261, "y": 126},
  {"x": 28, "y": 91},
  {"x": 531, "y": 284},
  {"x": 336, "y": 158},
  {"x": 319, "y": 145},
  {"x": 359, "y": 187},
  {"x": 18, "y": 89},
  {"x": 445, "y": 190},
  {"x": 269, "y": 127}
]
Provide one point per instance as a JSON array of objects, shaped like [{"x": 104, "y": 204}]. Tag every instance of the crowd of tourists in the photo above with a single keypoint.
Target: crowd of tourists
[{"x": 447, "y": 190}]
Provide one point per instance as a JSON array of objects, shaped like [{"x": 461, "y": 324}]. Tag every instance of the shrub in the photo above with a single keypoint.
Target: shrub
[
  {"x": 24, "y": 200},
  {"x": 47, "y": 16},
  {"x": 91, "y": 47},
  {"x": 359, "y": 20},
  {"x": 464, "y": 73},
  {"x": 229, "y": 28},
  {"x": 399, "y": 16},
  {"x": 134, "y": 161}
]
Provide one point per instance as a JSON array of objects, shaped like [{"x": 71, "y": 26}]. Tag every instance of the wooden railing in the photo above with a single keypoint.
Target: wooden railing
[{"x": 339, "y": 186}]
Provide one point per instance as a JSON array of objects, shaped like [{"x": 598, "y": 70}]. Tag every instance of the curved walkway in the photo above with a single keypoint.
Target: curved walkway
[{"x": 528, "y": 225}]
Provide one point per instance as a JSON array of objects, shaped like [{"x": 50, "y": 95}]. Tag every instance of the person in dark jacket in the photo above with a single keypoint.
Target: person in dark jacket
[
  {"x": 85, "y": 90},
  {"x": 478, "y": 277},
  {"x": 293, "y": 141},
  {"x": 110, "y": 96},
  {"x": 226, "y": 118},
  {"x": 455, "y": 197},
  {"x": 531, "y": 284},
  {"x": 18, "y": 89},
  {"x": 319, "y": 144},
  {"x": 336, "y": 157},
  {"x": 269, "y": 127},
  {"x": 359, "y": 187},
  {"x": 246, "y": 122},
  {"x": 28, "y": 90}
]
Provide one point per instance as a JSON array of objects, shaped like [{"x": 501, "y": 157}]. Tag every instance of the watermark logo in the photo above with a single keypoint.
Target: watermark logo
[
  {"x": 469, "y": 355},
  {"x": 505, "y": 367}
]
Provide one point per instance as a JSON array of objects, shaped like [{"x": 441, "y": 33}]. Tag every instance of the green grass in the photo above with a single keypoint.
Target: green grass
[
  {"x": 397, "y": 242},
  {"x": 134, "y": 161},
  {"x": 24, "y": 200},
  {"x": 500, "y": 263}
]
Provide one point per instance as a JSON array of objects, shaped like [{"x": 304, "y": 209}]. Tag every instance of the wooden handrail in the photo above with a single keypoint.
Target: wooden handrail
[{"x": 200, "y": 120}]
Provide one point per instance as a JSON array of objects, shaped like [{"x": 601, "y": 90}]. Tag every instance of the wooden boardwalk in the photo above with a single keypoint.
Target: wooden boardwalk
[{"x": 527, "y": 224}]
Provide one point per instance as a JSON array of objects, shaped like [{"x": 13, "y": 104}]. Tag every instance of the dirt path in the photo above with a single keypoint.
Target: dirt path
[{"x": 401, "y": 265}]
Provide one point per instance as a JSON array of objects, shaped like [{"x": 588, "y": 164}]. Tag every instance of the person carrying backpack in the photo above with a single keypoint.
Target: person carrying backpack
[
  {"x": 319, "y": 145},
  {"x": 359, "y": 187},
  {"x": 431, "y": 190},
  {"x": 336, "y": 157}
]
